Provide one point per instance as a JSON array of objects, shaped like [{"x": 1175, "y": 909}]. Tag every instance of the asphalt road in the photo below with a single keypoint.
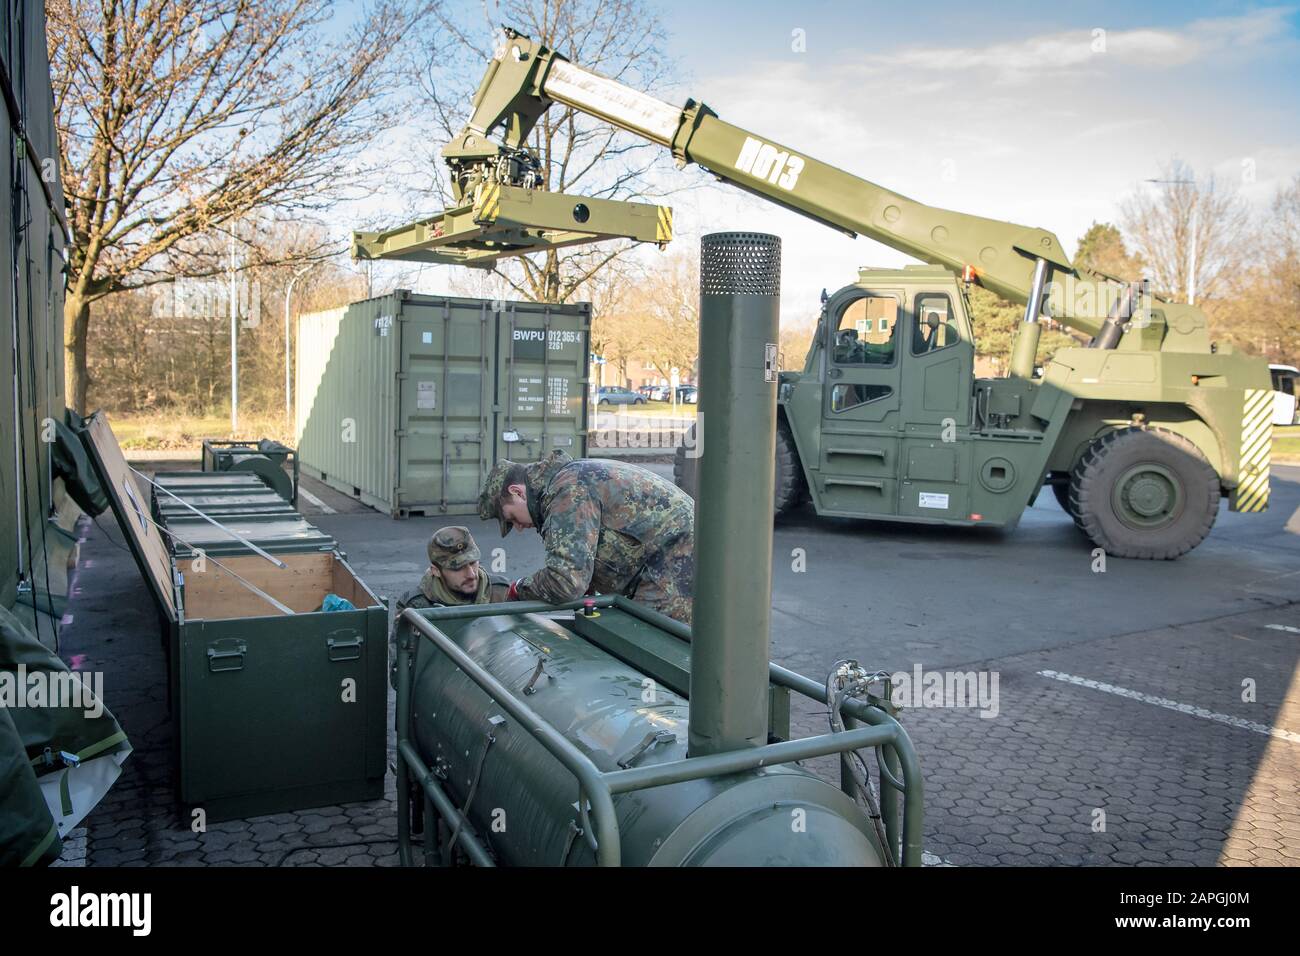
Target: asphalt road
[{"x": 1121, "y": 732}]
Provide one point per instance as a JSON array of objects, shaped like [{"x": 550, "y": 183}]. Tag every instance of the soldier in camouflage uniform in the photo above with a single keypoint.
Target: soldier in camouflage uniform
[
  {"x": 454, "y": 576},
  {"x": 609, "y": 527}
]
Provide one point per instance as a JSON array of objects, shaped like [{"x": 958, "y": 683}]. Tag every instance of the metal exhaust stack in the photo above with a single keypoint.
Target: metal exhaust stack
[{"x": 740, "y": 282}]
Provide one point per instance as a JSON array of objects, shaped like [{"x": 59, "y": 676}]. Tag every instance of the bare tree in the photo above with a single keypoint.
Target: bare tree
[
  {"x": 1262, "y": 316},
  {"x": 618, "y": 324},
  {"x": 671, "y": 301},
  {"x": 1160, "y": 223},
  {"x": 622, "y": 39},
  {"x": 178, "y": 117},
  {"x": 1282, "y": 256},
  {"x": 795, "y": 340}
]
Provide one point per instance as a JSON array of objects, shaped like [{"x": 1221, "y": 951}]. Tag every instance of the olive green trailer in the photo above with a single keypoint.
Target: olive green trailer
[
  {"x": 276, "y": 704},
  {"x": 406, "y": 401}
]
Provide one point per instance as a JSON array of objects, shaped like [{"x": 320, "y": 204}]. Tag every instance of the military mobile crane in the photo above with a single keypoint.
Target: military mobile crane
[{"x": 1139, "y": 434}]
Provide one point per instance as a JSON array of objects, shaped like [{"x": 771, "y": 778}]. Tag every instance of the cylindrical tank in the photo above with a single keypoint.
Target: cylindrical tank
[
  {"x": 524, "y": 803},
  {"x": 740, "y": 288}
]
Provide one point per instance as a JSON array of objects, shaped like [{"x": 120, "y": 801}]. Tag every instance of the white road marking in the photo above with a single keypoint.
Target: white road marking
[
  {"x": 933, "y": 859},
  {"x": 325, "y": 509},
  {"x": 1283, "y": 627},
  {"x": 1168, "y": 704}
]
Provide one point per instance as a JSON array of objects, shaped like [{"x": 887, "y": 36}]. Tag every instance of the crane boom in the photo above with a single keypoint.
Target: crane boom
[{"x": 525, "y": 78}]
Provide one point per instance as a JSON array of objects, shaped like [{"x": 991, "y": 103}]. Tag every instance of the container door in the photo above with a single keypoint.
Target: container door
[
  {"x": 444, "y": 412},
  {"x": 542, "y": 380},
  {"x": 860, "y": 415}
]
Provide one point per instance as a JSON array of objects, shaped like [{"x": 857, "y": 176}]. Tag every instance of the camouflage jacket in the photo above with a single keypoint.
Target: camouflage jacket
[
  {"x": 601, "y": 520},
  {"x": 431, "y": 592}
]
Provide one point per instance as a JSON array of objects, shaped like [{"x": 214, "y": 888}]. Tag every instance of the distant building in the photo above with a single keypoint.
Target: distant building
[{"x": 637, "y": 373}]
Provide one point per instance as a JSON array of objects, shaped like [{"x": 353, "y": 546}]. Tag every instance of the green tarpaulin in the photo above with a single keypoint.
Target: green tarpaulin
[{"x": 60, "y": 748}]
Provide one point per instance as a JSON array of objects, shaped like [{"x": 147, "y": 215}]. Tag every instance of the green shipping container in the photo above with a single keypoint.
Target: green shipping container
[{"x": 406, "y": 401}]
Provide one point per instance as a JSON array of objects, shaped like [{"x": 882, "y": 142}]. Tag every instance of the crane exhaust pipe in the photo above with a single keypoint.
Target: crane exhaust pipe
[{"x": 740, "y": 285}]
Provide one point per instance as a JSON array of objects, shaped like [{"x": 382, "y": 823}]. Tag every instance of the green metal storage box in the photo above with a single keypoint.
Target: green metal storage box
[
  {"x": 271, "y": 711},
  {"x": 406, "y": 401},
  {"x": 176, "y": 495}
]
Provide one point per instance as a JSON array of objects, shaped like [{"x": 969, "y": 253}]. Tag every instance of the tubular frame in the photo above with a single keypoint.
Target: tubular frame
[{"x": 597, "y": 788}]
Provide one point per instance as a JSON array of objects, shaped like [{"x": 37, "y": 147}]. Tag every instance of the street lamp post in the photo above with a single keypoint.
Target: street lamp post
[
  {"x": 1191, "y": 251},
  {"x": 288, "y": 292},
  {"x": 234, "y": 344}
]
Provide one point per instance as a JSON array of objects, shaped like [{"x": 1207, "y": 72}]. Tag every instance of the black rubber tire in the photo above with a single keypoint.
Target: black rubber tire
[
  {"x": 1061, "y": 490},
  {"x": 1109, "y": 458},
  {"x": 790, "y": 490},
  {"x": 789, "y": 474},
  {"x": 686, "y": 471}
]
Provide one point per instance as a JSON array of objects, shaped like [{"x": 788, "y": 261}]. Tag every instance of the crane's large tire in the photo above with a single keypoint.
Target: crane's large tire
[
  {"x": 789, "y": 491},
  {"x": 686, "y": 468},
  {"x": 1144, "y": 493},
  {"x": 1062, "y": 491}
]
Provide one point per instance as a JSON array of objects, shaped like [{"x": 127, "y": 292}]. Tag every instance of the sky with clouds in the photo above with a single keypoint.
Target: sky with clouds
[{"x": 1047, "y": 115}]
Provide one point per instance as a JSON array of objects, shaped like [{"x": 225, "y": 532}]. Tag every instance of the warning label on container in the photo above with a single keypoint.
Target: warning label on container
[
  {"x": 426, "y": 394},
  {"x": 930, "y": 499}
]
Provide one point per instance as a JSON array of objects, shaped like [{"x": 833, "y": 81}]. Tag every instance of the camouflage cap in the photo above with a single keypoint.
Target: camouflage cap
[
  {"x": 489, "y": 499},
  {"x": 452, "y": 548}
]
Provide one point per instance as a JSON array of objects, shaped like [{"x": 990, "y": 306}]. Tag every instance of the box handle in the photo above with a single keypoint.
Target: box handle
[
  {"x": 344, "y": 649},
  {"x": 226, "y": 655}
]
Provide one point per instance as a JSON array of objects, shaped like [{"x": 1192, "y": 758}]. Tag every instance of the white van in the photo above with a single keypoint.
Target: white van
[{"x": 1286, "y": 383}]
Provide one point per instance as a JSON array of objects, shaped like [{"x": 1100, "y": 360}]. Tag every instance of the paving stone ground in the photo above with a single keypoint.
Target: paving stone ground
[
  {"x": 1069, "y": 775},
  {"x": 1069, "y": 772}
]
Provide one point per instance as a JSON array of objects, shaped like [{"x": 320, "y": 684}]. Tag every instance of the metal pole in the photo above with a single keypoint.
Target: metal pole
[
  {"x": 740, "y": 286},
  {"x": 234, "y": 345},
  {"x": 288, "y": 292}
]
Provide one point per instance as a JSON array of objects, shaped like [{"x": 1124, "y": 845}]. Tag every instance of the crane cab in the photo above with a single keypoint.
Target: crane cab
[{"x": 882, "y": 414}]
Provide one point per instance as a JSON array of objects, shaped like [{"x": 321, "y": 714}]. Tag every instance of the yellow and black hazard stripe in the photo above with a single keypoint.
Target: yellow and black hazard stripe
[
  {"x": 1256, "y": 446},
  {"x": 489, "y": 203},
  {"x": 664, "y": 228}
]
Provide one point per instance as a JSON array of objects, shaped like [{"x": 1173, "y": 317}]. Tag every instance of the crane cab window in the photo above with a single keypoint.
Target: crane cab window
[
  {"x": 934, "y": 326},
  {"x": 866, "y": 332}
]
